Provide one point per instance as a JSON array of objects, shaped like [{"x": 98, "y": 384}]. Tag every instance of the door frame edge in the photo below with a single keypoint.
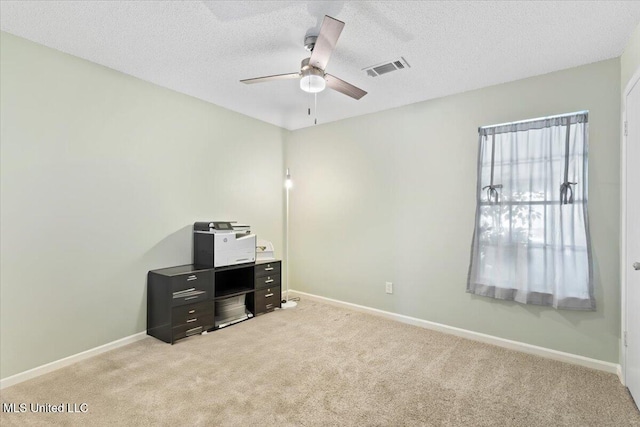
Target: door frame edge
[{"x": 635, "y": 79}]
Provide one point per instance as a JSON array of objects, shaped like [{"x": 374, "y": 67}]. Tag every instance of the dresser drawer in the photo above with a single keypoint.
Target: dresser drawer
[
  {"x": 195, "y": 326},
  {"x": 185, "y": 312},
  {"x": 267, "y": 299},
  {"x": 267, "y": 269},
  {"x": 194, "y": 279},
  {"x": 191, "y": 287},
  {"x": 268, "y": 281}
]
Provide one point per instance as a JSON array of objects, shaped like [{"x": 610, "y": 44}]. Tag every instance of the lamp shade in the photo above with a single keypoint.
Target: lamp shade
[{"x": 312, "y": 82}]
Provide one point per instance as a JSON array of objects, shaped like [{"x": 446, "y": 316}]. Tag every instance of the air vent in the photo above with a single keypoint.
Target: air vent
[{"x": 386, "y": 67}]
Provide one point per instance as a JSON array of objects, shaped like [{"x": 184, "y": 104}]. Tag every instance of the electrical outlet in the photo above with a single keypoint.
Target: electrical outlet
[{"x": 389, "y": 287}]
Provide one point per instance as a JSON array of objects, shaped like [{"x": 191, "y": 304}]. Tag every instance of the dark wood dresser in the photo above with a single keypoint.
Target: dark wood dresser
[{"x": 181, "y": 300}]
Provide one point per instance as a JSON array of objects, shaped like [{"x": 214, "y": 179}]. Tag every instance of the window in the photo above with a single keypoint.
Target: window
[{"x": 531, "y": 238}]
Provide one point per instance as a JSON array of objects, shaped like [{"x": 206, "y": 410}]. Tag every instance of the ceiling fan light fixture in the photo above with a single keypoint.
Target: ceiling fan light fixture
[
  {"x": 312, "y": 77},
  {"x": 312, "y": 81}
]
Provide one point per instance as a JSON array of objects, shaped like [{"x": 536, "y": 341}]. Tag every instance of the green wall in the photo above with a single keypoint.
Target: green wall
[
  {"x": 390, "y": 196},
  {"x": 102, "y": 177}
]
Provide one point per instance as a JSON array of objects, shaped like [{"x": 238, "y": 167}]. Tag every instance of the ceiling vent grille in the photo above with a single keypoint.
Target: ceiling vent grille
[{"x": 386, "y": 67}]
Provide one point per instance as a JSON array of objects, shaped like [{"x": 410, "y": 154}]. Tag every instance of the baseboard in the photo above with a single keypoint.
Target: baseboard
[
  {"x": 620, "y": 374},
  {"x": 50, "y": 367},
  {"x": 548, "y": 353}
]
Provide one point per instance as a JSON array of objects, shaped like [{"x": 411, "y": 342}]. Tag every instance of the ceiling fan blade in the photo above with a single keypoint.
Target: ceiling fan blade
[
  {"x": 326, "y": 42},
  {"x": 271, "y": 78},
  {"x": 343, "y": 87}
]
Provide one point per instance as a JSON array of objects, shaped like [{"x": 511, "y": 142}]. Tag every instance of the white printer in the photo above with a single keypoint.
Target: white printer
[{"x": 222, "y": 243}]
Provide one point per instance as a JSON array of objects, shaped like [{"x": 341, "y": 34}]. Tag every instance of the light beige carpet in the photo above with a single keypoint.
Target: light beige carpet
[{"x": 320, "y": 365}]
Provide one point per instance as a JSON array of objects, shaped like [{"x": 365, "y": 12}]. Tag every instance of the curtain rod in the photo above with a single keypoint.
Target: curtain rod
[{"x": 535, "y": 120}]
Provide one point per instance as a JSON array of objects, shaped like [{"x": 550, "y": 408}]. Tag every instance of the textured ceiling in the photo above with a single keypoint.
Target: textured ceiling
[{"x": 202, "y": 48}]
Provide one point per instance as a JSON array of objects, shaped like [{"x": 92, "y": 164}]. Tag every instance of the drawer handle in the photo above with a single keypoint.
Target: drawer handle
[
  {"x": 188, "y": 298},
  {"x": 192, "y": 277},
  {"x": 268, "y": 295},
  {"x": 186, "y": 291},
  {"x": 269, "y": 305},
  {"x": 191, "y": 311},
  {"x": 268, "y": 281},
  {"x": 192, "y": 320},
  {"x": 268, "y": 269},
  {"x": 189, "y": 293},
  {"x": 194, "y": 331}
]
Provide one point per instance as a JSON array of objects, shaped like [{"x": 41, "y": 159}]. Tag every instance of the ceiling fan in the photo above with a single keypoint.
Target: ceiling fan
[{"x": 312, "y": 77}]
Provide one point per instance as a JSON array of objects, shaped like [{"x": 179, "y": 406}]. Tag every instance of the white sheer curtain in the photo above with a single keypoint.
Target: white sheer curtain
[{"x": 531, "y": 238}]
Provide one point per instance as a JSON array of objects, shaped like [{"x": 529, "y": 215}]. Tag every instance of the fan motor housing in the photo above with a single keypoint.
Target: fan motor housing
[
  {"x": 310, "y": 42},
  {"x": 306, "y": 69}
]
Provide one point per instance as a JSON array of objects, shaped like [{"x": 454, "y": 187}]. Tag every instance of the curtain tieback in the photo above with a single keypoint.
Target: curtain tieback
[
  {"x": 492, "y": 193},
  {"x": 566, "y": 192}
]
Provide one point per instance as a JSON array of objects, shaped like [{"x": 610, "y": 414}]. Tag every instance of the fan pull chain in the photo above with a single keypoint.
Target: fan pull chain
[{"x": 315, "y": 121}]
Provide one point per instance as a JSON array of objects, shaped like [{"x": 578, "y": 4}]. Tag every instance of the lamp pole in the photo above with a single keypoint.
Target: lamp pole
[{"x": 287, "y": 184}]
